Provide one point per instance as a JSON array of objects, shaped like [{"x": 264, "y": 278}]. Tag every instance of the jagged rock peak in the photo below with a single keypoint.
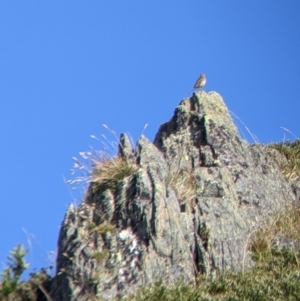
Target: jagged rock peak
[
  {"x": 190, "y": 207},
  {"x": 202, "y": 121}
]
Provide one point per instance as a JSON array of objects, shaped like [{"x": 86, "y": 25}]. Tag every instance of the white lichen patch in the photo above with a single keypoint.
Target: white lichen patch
[
  {"x": 129, "y": 239},
  {"x": 128, "y": 243}
]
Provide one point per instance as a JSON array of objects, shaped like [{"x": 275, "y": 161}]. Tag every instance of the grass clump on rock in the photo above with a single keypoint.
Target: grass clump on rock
[
  {"x": 184, "y": 184},
  {"x": 103, "y": 169},
  {"x": 101, "y": 255},
  {"x": 109, "y": 171},
  {"x": 291, "y": 151},
  {"x": 284, "y": 226},
  {"x": 102, "y": 228}
]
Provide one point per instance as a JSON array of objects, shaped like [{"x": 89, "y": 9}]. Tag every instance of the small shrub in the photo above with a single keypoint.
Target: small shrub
[
  {"x": 12, "y": 289},
  {"x": 11, "y": 275}
]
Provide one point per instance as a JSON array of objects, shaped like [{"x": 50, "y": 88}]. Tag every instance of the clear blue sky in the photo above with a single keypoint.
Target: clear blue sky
[{"x": 67, "y": 67}]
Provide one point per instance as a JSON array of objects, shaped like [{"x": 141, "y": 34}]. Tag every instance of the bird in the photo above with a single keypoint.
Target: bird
[{"x": 200, "y": 83}]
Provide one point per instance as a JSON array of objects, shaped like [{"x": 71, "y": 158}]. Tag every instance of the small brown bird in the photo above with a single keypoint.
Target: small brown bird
[{"x": 200, "y": 83}]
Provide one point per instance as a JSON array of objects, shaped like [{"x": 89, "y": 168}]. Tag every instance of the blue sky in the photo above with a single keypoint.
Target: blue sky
[{"x": 67, "y": 67}]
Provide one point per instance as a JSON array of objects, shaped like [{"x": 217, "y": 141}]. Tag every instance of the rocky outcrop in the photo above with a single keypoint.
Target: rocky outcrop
[{"x": 198, "y": 195}]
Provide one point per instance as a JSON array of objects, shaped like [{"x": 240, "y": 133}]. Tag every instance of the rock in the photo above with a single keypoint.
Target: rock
[
  {"x": 295, "y": 185},
  {"x": 199, "y": 194},
  {"x": 281, "y": 241}
]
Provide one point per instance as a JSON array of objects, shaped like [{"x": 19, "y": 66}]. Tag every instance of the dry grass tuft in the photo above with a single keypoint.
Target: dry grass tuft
[
  {"x": 291, "y": 150},
  {"x": 286, "y": 223},
  {"x": 102, "y": 228},
  {"x": 102, "y": 168},
  {"x": 109, "y": 171},
  {"x": 184, "y": 184}
]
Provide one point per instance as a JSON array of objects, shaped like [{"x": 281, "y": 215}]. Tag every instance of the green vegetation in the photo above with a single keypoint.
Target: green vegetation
[
  {"x": 12, "y": 289},
  {"x": 291, "y": 150},
  {"x": 102, "y": 228},
  {"x": 92, "y": 227},
  {"x": 105, "y": 227},
  {"x": 109, "y": 171},
  {"x": 15, "y": 268},
  {"x": 101, "y": 255},
  {"x": 275, "y": 279}
]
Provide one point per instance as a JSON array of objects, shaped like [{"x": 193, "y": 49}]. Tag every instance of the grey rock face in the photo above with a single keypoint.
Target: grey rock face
[{"x": 147, "y": 231}]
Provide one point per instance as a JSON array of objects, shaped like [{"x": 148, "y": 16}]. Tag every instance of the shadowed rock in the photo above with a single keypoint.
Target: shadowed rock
[{"x": 116, "y": 241}]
